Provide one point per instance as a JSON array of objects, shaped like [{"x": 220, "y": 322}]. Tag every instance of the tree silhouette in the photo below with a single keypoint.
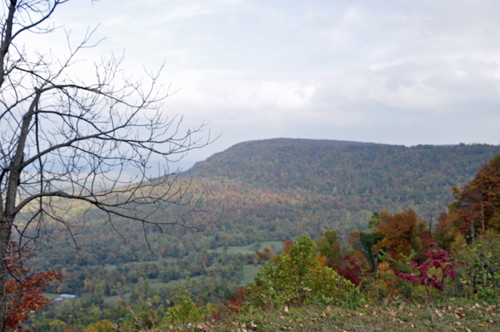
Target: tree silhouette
[{"x": 67, "y": 138}]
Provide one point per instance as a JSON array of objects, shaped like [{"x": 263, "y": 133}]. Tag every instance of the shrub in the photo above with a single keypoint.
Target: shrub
[
  {"x": 433, "y": 271},
  {"x": 481, "y": 276},
  {"x": 297, "y": 277},
  {"x": 185, "y": 310}
]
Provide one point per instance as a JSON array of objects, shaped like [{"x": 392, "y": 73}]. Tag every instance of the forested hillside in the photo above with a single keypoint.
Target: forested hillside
[
  {"x": 282, "y": 188},
  {"x": 286, "y": 187},
  {"x": 254, "y": 192}
]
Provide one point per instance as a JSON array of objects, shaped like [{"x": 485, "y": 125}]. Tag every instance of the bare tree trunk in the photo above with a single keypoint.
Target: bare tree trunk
[
  {"x": 9, "y": 213},
  {"x": 59, "y": 132},
  {"x": 4, "y": 241}
]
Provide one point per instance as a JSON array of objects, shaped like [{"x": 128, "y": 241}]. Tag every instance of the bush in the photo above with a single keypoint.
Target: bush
[
  {"x": 481, "y": 276},
  {"x": 297, "y": 277},
  {"x": 185, "y": 310}
]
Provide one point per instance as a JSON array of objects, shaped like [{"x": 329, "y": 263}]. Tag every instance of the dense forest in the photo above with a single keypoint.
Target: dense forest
[
  {"x": 272, "y": 190},
  {"x": 280, "y": 189},
  {"x": 287, "y": 187}
]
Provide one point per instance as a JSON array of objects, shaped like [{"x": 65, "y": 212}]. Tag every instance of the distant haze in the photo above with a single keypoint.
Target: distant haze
[{"x": 397, "y": 72}]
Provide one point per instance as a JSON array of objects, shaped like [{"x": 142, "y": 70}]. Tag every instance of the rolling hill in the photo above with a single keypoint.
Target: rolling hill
[
  {"x": 290, "y": 186},
  {"x": 281, "y": 188}
]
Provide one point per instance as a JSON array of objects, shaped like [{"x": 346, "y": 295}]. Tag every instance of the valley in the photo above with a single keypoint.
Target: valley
[{"x": 252, "y": 196}]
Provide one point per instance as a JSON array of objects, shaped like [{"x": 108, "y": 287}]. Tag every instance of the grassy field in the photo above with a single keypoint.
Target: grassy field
[
  {"x": 250, "y": 249},
  {"x": 249, "y": 272},
  {"x": 51, "y": 296},
  {"x": 111, "y": 300},
  {"x": 157, "y": 283},
  {"x": 455, "y": 316}
]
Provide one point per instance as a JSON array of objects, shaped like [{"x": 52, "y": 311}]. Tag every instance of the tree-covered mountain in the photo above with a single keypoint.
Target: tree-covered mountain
[
  {"x": 288, "y": 186},
  {"x": 282, "y": 188},
  {"x": 253, "y": 192}
]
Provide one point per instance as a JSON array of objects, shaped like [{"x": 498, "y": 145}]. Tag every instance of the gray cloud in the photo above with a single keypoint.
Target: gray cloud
[{"x": 402, "y": 72}]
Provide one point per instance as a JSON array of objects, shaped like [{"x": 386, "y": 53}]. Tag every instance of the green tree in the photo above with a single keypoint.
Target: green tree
[
  {"x": 329, "y": 247},
  {"x": 481, "y": 276},
  {"x": 296, "y": 276},
  {"x": 366, "y": 243}
]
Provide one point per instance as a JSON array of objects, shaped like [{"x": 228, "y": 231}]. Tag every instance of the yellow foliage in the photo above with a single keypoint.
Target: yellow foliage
[
  {"x": 384, "y": 283},
  {"x": 321, "y": 260},
  {"x": 102, "y": 326},
  {"x": 400, "y": 233},
  {"x": 458, "y": 243}
]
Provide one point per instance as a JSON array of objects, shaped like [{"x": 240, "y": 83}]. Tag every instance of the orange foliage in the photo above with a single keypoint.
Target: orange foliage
[
  {"x": 265, "y": 255},
  {"x": 353, "y": 238},
  {"x": 235, "y": 305},
  {"x": 362, "y": 262},
  {"x": 480, "y": 199},
  {"x": 475, "y": 209},
  {"x": 321, "y": 260},
  {"x": 24, "y": 292},
  {"x": 447, "y": 229},
  {"x": 384, "y": 285},
  {"x": 400, "y": 233},
  {"x": 288, "y": 244},
  {"x": 357, "y": 254}
]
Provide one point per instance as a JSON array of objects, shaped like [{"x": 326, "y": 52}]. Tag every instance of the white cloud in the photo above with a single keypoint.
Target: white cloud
[{"x": 361, "y": 70}]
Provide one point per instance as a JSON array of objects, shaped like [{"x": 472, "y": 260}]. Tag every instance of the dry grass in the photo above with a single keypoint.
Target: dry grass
[{"x": 470, "y": 316}]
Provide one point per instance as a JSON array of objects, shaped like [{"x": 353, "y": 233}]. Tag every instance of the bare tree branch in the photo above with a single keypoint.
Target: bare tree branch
[{"x": 67, "y": 138}]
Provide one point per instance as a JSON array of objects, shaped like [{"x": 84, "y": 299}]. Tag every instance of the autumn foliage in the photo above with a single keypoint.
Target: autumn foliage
[
  {"x": 481, "y": 197},
  {"x": 350, "y": 270},
  {"x": 24, "y": 290},
  {"x": 329, "y": 247},
  {"x": 265, "y": 255},
  {"x": 444, "y": 267},
  {"x": 235, "y": 303},
  {"x": 401, "y": 252},
  {"x": 476, "y": 208},
  {"x": 298, "y": 277},
  {"x": 400, "y": 233},
  {"x": 397, "y": 259}
]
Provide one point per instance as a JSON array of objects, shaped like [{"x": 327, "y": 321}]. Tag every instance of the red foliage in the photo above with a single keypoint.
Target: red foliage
[
  {"x": 288, "y": 244},
  {"x": 24, "y": 291},
  {"x": 438, "y": 259},
  {"x": 235, "y": 305},
  {"x": 427, "y": 243},
  {"x": 265, "y": 255},
  {"x": 216, "y": 317},
  {"x": 350, "y": 270}
]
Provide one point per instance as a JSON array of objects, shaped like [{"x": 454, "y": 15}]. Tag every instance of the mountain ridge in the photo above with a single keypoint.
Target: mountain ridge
[
  {"x": 290, "y": 181},
  {"x": 279, "y": 189}
]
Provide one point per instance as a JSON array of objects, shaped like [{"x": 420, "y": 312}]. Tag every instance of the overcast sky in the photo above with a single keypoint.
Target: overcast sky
[{"x": 399, "y": 72}]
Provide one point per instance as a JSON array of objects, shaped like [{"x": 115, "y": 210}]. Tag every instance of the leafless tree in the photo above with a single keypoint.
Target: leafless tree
[{"x": 68, "y": 138}]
